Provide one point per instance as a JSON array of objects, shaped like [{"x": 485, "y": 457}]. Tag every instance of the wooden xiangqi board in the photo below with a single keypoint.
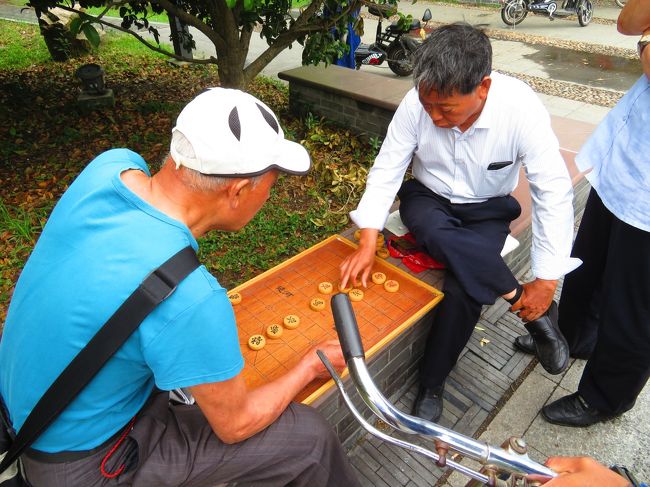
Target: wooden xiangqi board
[{"x": 289, "y": 287}]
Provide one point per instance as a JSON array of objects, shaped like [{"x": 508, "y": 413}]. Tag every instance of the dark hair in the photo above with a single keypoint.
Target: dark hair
[{"x": 454, "y": 58}]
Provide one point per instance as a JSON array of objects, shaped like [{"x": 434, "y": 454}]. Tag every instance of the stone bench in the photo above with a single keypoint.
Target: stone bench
[{"x": 365, "y": 103}]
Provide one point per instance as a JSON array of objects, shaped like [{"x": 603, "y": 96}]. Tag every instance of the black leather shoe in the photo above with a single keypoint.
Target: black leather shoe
[
  {"x": 551, "y": 347},
  {"x": 573, "y": 410},
  {"x": 428, "y": 404},
  {"x": 525, "y": 344}
]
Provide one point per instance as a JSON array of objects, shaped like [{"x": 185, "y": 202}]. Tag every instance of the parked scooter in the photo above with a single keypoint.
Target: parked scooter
[
  {"x": 393, "y": 45},
  {"x": 514, "y": 12}
]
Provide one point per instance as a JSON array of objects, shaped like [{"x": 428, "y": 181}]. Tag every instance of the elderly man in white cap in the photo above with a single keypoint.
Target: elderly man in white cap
[{"x": 114, "y": 225}]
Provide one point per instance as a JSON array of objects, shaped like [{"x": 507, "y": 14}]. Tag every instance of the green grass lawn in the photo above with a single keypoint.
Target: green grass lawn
[{"x": 22, "y": 46}]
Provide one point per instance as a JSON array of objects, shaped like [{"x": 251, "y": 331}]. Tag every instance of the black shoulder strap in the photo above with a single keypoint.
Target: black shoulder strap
[{"x": 156, "y": 287}]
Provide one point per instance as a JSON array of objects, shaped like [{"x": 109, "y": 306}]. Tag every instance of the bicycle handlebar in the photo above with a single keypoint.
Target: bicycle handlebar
[
  {"x": 514, "y": 462},
  {"x": 346, "y": 327}
]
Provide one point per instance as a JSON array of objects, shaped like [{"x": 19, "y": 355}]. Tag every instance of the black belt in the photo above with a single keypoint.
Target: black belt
[{"x": 70, "y": 456}]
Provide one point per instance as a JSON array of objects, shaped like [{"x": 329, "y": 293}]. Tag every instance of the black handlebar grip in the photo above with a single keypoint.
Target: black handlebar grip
[{"x": 346, "y": 327}]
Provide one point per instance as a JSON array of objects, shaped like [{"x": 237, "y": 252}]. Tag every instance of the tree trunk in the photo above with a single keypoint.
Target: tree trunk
[
  {"x": 55, "y": 29},
  {"x": 231, "y": 68},
  {"x": 57, "y": 40}
]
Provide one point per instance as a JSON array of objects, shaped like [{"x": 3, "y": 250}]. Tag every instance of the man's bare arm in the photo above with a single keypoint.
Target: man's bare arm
[{"x": 236, "y": 413}]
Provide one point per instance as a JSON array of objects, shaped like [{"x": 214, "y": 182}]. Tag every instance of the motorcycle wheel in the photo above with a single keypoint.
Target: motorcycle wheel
[
  {"x": 585, "y": 12},
  {"x": 513, "y": 12},
  {"x": 399, "y": 61},
  {"x": 620, "y": 3}
]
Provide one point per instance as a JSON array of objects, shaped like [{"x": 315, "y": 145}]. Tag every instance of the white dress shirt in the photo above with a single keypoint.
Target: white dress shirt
[{"x": 514, "y": 127}]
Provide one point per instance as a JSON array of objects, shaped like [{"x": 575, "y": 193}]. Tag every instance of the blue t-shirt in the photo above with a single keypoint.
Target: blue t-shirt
[{"x": 98, "y": 245}]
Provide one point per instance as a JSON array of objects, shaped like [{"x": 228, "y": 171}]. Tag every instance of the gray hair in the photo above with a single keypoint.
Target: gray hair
[
  {"x": 194, "y": 179},
  {"x": 454, "y": 58}
]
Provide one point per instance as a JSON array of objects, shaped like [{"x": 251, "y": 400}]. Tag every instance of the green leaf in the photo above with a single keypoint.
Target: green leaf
[
  {"x": 74, "y": 26},
  {"x": 91, "y": 34},
  {"x": 248, "y": 4}
]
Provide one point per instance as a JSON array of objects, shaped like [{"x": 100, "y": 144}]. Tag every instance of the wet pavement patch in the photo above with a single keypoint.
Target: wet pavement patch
[{"x": 592, "y": 69}]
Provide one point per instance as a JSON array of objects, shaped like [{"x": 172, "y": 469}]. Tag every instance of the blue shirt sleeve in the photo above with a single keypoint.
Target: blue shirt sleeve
[{"x": 198, "y": 346}]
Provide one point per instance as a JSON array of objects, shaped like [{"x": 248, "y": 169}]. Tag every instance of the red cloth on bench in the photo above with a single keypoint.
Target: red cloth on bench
[{"x": 414, "y": 258}]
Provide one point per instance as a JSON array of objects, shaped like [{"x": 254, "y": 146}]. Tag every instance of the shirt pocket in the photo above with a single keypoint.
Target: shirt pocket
[{"x": 496, "y": 179}]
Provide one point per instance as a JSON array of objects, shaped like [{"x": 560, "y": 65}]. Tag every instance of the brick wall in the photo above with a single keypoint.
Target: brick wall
[{"x": 361, "y": 117}]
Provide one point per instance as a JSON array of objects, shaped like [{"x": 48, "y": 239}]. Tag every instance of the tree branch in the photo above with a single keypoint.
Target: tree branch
[
  {"x": 306, "y": 14},
  {"x": 300, "y": 27},
  {"x": 109, "y": 6},
  {"x": 192, "y": 21},
  {"x": 297, "y": 30},
  {"x": 210, "y": 60},
  {"x": 245, "y": 40},
  {"x": 229, "y": 18},
  {"x": 303, "y": 26}
]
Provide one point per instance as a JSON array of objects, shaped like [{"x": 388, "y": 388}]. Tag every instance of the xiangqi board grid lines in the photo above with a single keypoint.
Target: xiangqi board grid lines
[{"x": 288, "y": 288}]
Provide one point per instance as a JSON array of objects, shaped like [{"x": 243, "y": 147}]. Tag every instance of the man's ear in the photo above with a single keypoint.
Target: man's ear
[
  {"x": 484, "y": 87},
  {"x": 236, "y": 190}
]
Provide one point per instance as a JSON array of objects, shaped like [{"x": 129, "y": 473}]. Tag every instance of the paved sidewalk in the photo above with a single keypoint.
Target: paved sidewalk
[{"x": 625, "y": 440}]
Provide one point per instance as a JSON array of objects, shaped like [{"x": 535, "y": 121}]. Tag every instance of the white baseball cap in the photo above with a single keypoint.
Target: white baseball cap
[{"x": 232, "y": 133}]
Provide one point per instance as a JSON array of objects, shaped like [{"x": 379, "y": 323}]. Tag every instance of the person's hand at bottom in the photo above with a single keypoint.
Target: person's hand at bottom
[
  {"x": 332, "y": 349},
  {"x": 580, "y": 472}
]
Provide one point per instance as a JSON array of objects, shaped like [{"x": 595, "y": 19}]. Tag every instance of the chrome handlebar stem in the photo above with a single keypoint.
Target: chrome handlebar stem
[
  {"x": 477, "y": 450},
  {"x": 495, "y": 459},
  {"x": 389, "y": 439}
]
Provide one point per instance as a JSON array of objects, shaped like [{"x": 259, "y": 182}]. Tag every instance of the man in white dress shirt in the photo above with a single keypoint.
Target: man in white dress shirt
[{"x": 467, "y": 131}]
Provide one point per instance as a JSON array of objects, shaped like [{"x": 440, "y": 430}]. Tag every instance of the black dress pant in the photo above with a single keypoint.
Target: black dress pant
[
  {"x": 468, "y": 239},
  {"x": 605, "y": 308}
]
